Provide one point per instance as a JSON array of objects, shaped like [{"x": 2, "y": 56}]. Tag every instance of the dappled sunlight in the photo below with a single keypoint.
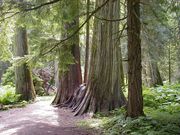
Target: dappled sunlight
[
  {"x": 38, "y": 114},
  {"x": 49, "y": 117},
  {"x": 39, "y": 118},
  {"x": 1, "y": 126},
  {"x": 89, "y": 67},
  {"x": 10, "y": 131}
]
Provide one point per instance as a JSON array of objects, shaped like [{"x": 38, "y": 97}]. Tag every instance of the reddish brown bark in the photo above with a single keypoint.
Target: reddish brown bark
[
  {"x": 103, "y": 91},
  {"x": 71, "y": 79},
  {"x": 87, "y": 46}
]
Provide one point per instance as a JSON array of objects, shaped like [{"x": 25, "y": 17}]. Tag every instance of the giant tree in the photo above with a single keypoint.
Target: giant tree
[
  {"x": 23, "y": 74},
  {"x": 103, "y": 91},
  {"x": 70, "y": 78},
  {"x": 87, "y": 44}
]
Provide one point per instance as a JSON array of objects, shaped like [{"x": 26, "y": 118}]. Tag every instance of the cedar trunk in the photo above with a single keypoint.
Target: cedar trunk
[
  {"x": 135, "y": 99},
  {"x": 87, "y": 45},
  {"x": 71, "y": 79},
  {"x": 151, "y": 74},
  {"x": 23, "y": 75},
  {"x": 103, "y": 91}
]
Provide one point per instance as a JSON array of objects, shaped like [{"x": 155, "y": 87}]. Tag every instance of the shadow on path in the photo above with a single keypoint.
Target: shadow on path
[{"x": 41, "y": 119}]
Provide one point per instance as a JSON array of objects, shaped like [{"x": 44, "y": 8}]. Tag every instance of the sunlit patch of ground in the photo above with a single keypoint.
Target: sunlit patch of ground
[{"x": 40, "y": 118}]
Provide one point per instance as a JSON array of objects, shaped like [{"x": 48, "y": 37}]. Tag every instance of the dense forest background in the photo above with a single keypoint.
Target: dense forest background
[{"x": 117, "y": 59}]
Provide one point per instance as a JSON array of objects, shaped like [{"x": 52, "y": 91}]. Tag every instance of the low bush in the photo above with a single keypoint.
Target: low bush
[
  {"x": 38, "y": 85},
  {"x": 165, "y": 98},
  {"x": 9, "y": 77},
  {"x": 8, "y": 95},
  {"x": 157, "y": 123},
  {"x": 162, "y": 109}
]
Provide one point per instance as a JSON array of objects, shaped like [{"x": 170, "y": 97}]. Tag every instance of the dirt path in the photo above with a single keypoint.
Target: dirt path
[{"x": 40, "y": 119}]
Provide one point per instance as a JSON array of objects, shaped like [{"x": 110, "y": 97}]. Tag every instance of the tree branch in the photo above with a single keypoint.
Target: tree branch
[
  {"x": 42, "y": 5},
  {"x": 69, "y": 37},
  {"x": 30, "y": 9}
]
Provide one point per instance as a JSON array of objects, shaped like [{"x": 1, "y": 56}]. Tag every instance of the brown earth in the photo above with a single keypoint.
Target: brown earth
[{"x": 40, "y": 118}]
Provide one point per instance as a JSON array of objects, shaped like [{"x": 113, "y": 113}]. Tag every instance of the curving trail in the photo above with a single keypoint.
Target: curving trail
[{"x": 40, "y": 118}]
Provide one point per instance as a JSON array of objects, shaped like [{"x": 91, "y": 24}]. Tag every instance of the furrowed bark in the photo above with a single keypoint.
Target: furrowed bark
[
  {"x": 70, "y": 80},
  {"x": 135, "y": 99},
  {"x": 23, "y": 75},
  {"x": 103, "y": 91},
  {"x": 87, "y": 46}
]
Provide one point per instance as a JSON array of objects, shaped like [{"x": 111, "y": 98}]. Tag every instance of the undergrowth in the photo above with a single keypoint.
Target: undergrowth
[
  {"x": 9, "y": 99},
  {"x": 8, "y": 95},
  {"x": 162, "y": 109}
]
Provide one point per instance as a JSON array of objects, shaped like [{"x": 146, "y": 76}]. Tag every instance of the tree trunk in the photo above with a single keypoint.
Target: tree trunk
[
  {"x": 56, "y": 73},
  {"x": 103, "y": 92},
  {"x": 154, "y": 75},
  {"x": 23, "y": 75},
  {"x": 151, "y": 74},
  {"x": 71, "y": 79},
  {"x": 87, "y": 46},
  {"x": 135, "y": 99},
  {"x": 169, "y": 61},
  {"x": 178, "y": 63},
  {"x": 178, "y": 52}
]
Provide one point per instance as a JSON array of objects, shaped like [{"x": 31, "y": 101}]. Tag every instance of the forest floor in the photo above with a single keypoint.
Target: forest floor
[{"x": 40, "y": 118}]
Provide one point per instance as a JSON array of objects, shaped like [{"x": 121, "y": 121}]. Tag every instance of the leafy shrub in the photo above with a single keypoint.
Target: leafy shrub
[
  {"x": 38, "y": 85},
  {"x": 165, "y": 98},
  {"x": 8, "y": 96},
  {"x": 9, "y": 77},
  {"x": 150, "y": 98},
  {"x": 149, "y": 125},
  {"x": 162, "y": 109}
]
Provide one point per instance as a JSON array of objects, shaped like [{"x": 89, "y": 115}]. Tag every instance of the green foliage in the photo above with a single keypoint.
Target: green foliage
[
  {"x": 45, "y": 27},
  {"x": 8, "y": 95},
  {"x": 6, "y": 34},
  {"x": 38, "y": 85},
  {"x": 162, "y": 109},
  {"x": 165, "y": 98},
  {"x": 118, "y": 125},
  {"x": 160, "y": 28},
  {"x": 9, "y": 77},
  {"x": 66, "y": 59},
  {"x": 17, "y": 105}
]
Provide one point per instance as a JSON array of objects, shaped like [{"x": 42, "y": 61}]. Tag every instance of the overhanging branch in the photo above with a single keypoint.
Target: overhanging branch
[
  {"x": 72, "y": 35},
  {"x": 42, "y": 5},
  {"x": 30, "y": 9}
]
